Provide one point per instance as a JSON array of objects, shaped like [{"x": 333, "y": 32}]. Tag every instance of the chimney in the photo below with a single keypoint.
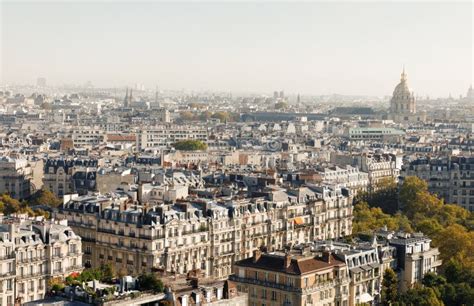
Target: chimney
[
  {"x": 287, "y": 261},
  {"x": 327, "y": 256},
  {"x": 256, "y": 255}
]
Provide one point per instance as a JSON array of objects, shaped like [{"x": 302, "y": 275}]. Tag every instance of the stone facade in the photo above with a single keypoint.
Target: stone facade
[
  {"x": 202, "y": 234},
  {"x": 31, "y": 254}
]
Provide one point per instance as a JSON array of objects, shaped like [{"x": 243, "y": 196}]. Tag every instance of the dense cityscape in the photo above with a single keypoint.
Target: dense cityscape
[{"x": 142, "y": 195}]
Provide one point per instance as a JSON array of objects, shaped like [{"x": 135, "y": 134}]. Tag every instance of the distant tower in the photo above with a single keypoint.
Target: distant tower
[
  {"x": 282, "y": 94},
  {"x": 470, "y": 94},
  {"x": 130, "y": 98},
  {"x": 298, "y": 99},
  {"x": 403, "y": 100},
  {"x": 125, "y": 100},
  {"x": 275, "y": 95},
  {"x": 157, "y": 94}
]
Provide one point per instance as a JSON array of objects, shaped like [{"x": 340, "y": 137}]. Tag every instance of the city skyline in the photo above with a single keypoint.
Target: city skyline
[{"x": 311, "y": 48}]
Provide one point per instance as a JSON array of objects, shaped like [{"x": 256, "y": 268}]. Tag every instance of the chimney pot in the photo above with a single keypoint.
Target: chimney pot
[
  {"x": 327, "y": 256},
  {"x": 287, "y": 260},
  {"x": 256, "y": 255}
]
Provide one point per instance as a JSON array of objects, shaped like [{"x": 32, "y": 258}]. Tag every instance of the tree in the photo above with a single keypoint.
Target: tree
[
  {"x": 281, "y": 105},
  {"x": 187, "y": 116},
  {"x": 368, "y": 219},
  {"x": 420, "y": 296},
  {"x": 108, "y": 272},
  {"x": 385, "y": 196},
  {"x": 204, "y": 116},
  {"x": 222, "y": 116},
  {"x": 149, "y": 282},
  {"x": 389, "y": 287},
  {"x": 190, "y": 145},
  {"x": 9, "y": 204},
  {"x": 455, "y": 241},
  {"x": 410, "y": 189},
  {"x": 44, "y": 197}
]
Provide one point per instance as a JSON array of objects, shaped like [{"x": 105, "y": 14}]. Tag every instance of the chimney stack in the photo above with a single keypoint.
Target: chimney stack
[
  {"x": 256, "y": 255},
  {"x": 287, "y": 261},
  {"x": 327, "y": 256}
]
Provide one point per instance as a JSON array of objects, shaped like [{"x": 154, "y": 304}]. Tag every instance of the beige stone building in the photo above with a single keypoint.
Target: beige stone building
[
  {"x": 293, "y": 279},
  {"x": 209, "y": 235},
  {"x": 31, "y": 254},
  {"x": 15, "y": 177}
]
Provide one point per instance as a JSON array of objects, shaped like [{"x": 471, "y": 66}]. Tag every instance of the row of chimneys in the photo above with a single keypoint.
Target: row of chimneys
[{"x": 257, "y": 254}]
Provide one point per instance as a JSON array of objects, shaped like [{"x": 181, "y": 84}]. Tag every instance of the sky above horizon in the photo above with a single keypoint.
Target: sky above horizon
[{"x": 353, "y": 48}]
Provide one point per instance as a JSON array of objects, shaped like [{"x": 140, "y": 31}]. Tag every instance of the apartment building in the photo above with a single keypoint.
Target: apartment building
[
  {"x": 450, "y": 177},
  {"x": 366, "y": 264},
  {"x": 165, "y": 135},
  {"x": 68, "y": 176},
  {"x": 16, "y": 176},
  {"x": 416, "y": 257},
  {"x": 374, "y": 134},
  {"x": 379, "y": 166},
  {"x": 198, "y": 234},
  {"x": 31, "y": 254},
  {"x": 346, "y": 176},
  {"x": 88, "y": 137},
  {"x": 284, "y": 277},
  {"x": 293, "y": 278}
]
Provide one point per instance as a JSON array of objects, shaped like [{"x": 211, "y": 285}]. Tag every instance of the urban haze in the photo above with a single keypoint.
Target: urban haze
[{"x": 247, "y": 153}]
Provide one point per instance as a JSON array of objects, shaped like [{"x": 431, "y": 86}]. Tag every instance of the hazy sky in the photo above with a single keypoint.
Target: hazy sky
[{"x": 317, "y": 48}]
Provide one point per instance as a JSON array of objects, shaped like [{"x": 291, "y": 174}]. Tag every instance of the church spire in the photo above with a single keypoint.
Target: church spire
[
  {"x": 404, "y": 75},
  {"x": 125, "y": 101}
]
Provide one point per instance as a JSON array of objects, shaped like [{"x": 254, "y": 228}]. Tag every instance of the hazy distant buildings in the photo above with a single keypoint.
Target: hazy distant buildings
[
  {"x": 165, "y": 135},
  {"x": 41, "y": 82}
]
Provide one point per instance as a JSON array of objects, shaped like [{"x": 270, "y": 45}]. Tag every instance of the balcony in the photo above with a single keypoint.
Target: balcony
[
  {"x": 263, "y": 283},
  {"x": 74, "y": 268},
  {"x": 106, "y": 230},
  {"x": 7, "y": 256}
]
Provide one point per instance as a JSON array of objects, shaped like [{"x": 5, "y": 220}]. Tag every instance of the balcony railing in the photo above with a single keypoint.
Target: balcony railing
[{"x": 7, "y": 256}]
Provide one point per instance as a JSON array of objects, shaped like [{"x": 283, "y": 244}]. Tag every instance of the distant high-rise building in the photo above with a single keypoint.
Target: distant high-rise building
[
  {"x": 282, "y": 94},
  {"x": 470, "y": 94},
  {"x": 275, "y": 94},
  {"x": 127, "y": 101},
  {"x": 41, "y": 82},
  {"x": 298, "y": 99}
]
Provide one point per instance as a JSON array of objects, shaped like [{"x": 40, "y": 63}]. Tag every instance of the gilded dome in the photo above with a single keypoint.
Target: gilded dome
[{"x": 402, "y": 89}]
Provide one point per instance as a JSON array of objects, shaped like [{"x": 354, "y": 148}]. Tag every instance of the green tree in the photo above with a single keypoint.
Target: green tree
[
  {"x": 107, "y": 272},
  {"x": 204, "y": 116},
  {"x": 187, "y": 116},
  {"x": 149, "y": 282},
  {"x": 420, "y": 296},
  {"x": 222, "y": 116},
  {"x": 368, "y": 219},
  {"x": 384, "y": 196},
  {"x": 389, "y": 287},
  {"x": 44, "y": 197},
  {"x": 10, "y": 205},
  {"x": 455, "y": 241},
  {"x": 190, "y": 145},
  {"x": 281, "y": 105}
]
